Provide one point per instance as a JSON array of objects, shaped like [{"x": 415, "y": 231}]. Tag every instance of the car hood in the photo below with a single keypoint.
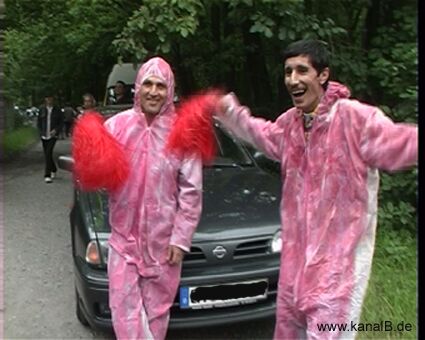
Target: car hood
[
  {"x": 110, "y": 110},
  {"x": 238, "y": 201}
]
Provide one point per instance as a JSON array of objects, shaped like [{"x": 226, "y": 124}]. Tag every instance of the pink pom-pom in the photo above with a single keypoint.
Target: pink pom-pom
[
  {"x": 99, "y": 160},
  {"x": 193, "y": 131}
]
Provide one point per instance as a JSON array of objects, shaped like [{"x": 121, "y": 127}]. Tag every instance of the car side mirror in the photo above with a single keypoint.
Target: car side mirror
[
  {"x": 266, "y": 163},
  {"x": 66, "y": 163}
]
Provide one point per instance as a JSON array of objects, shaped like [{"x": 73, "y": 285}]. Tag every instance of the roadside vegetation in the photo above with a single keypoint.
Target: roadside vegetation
[
  {"x": 392, "y": 291},
  {"x": 18, "y": 140}
]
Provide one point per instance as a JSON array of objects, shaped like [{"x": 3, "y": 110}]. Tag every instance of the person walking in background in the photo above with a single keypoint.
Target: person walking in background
[
  {"x": 69, "y": 115},
  {"x": 89, "y": 104},
  {"x": 330, "y": 148},
  {"x": 79, "y": 110},
  {"x": 61, "y": 134},
  {"x": 49, "y": 123}
]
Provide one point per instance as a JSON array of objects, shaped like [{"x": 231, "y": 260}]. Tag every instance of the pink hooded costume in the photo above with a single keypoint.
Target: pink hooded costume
[
  {"x": 159, "y": 205},
  {"x": 329, "y": 204}
]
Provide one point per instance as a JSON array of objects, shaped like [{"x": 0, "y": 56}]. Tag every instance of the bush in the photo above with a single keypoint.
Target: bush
[
  {"x": 398, "y": 201},
  {"x": 18, "y": 140}
]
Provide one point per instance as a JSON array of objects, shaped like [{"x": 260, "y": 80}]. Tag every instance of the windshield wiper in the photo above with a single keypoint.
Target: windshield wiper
[{"x": 225, "y": 165}]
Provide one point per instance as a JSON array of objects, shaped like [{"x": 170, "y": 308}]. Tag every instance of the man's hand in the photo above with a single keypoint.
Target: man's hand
[
  {"x": 53, "y": 133},
  {"x": 175, "y": 255},
  {"x": 226, "y": 102}
]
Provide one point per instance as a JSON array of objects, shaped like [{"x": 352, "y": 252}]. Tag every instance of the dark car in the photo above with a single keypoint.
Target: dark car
[{"x": 231, "y": 272}]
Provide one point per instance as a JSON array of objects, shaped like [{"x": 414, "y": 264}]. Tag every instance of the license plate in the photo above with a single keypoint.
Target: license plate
[{"x": 223, "y": 295}]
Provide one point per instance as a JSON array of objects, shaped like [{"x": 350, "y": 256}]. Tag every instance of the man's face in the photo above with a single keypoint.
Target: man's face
[
  {"x": 153, "y": 94},
  {"x": 303, "y": 83},
  {"x": 88, "y": 103},
  {"x": 119, "y": 89},
  {"x": 49, "y": 101}
]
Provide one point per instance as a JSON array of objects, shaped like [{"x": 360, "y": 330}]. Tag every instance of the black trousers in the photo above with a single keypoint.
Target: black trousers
[
  {"x": 68, "y": 127},
  {"x": 48, "y": 146}
]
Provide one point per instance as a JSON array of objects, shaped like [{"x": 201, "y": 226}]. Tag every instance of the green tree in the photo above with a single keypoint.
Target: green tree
[
  {"x": 392, "y": 81},
  {"x": 61, "y": 46},
  {"x": 70, "y": 45}
]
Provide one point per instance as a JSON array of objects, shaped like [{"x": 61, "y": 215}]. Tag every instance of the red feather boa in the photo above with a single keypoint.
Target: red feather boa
[
  {"x": 193, "y": 131},
  {"x": 99, "y": 160}
]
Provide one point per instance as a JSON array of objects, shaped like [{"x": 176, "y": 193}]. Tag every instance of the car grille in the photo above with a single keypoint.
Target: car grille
[
  {"x": 244, "y": 250},
  {"x": 252, "y": 249},
  {"x": 196, "y": 255}
]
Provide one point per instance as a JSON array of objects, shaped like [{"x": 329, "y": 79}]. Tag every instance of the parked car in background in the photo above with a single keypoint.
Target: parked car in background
[
  {"x": 231, "y": 272},
  {"x": 32, "y": 112},
  {"x": 25, "y": 115}
]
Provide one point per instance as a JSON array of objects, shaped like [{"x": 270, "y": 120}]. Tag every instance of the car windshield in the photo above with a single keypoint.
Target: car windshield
[
  {"x": 230, "y": 154},
  {"x": 229, "y": 151}
]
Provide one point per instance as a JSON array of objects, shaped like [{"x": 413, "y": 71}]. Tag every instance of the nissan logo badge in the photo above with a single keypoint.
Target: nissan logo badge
[{"x": 219, "y": 252}]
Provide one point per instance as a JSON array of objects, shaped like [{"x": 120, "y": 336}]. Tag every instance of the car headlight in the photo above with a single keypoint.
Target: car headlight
[
  {"x": 276, "y": 243},
  {"x": 97, "y": 252}
]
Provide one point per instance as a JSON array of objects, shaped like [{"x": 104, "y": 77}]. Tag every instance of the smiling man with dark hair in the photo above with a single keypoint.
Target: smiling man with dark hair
[{"x": 330, "y": 148}]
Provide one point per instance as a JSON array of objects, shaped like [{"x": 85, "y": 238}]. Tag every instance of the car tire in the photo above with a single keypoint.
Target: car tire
[{"x": 78, "y": 311}]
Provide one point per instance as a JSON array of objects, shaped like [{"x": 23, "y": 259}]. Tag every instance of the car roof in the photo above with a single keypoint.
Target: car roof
[{"x": 125, "y": 72}]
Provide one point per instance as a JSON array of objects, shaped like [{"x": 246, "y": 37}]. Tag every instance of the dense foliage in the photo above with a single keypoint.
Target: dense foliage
[{"x": 69, "y": 46}]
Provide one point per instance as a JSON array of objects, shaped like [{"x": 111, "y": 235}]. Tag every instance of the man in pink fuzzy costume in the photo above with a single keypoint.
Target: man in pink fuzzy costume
[
  {"x": 153, "y": 215},
  {"x": 330, "y": 148}
]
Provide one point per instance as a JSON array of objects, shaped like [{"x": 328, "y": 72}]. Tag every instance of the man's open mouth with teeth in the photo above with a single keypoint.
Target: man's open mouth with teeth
[{"x": 298, "y": 93}]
